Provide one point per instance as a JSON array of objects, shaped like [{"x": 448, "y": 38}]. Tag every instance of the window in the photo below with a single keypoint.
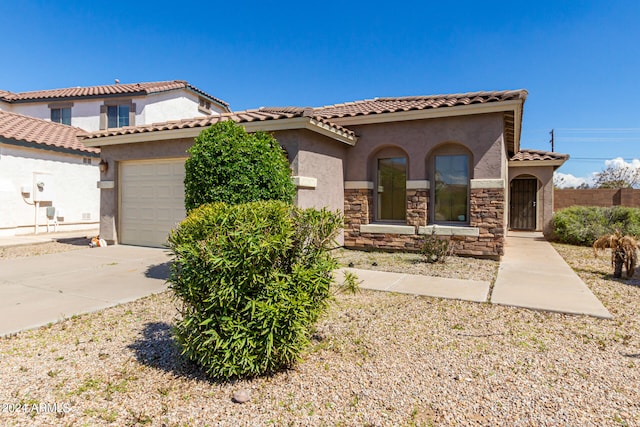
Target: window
[
  {"x": 117, "y": 116},
  {"x": 61, "y": 115},
  {"x": 451, "y": 188},
  {"x": 204, "y": 105},
  {"x": 392, "y": 189}
]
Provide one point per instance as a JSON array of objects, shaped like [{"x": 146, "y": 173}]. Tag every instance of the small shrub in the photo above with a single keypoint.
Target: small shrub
[
  {"x": 252, "y": 278},
  {"x": 227, "y": 164},
  {"x": 580, "y": 225},
  {"x": 436, "y": 249}
]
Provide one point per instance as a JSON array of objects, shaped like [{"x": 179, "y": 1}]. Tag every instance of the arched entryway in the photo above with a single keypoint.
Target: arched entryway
[{"x": 523, "y": 203}]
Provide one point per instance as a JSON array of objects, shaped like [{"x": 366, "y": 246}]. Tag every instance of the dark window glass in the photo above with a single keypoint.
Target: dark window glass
[
  {"x": 61, "y": 115},
  {"x": 451, "y": 188},
  {"x": 117, "y": 116},
  {"x": 392, "y": 189}
]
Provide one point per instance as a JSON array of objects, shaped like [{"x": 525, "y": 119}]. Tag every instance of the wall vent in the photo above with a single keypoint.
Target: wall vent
[{"x": 86, "y": 216}]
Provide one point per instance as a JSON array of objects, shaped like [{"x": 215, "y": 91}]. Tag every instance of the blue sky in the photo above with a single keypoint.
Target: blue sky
[{"x": 579, "y": 60}]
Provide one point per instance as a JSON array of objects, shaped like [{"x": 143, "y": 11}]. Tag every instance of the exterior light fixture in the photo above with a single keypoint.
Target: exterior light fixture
[{"x": 103, "y": 166}]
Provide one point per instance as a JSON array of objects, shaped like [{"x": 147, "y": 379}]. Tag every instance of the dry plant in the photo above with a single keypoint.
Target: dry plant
[{"x": 623, "y": 252}]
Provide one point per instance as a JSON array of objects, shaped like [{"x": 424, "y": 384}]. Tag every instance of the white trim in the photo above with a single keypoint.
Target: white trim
[
  {"x": 487, "y": 183},
  {"x": 387, "y": 229},
  {"x": 460, "y": 110},
  {"x": 106, "y": 184},
  {"x": 416, "y": 184},
  {"x": 304, "y": 181},
  {"x": 358, "y": 185},
  {"x": 449, "y": 230}
]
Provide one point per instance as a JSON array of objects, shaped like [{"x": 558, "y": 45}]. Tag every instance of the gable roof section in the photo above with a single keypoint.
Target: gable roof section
[
  {"x": 380, "y": 110},
  {"x": 120, "y": 89},
  {"x": 416, "y": 103},
  {"x": 252, "y": 120},
  {"x": 16, "y": 128},
  {"x": 526, "y": 157}
]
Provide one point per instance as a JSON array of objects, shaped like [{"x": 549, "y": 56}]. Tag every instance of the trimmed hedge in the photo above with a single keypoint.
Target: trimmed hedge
[
  {"x": 580, "y": 225},
  {"x": 253, "y": 279},
  {"x": 227, "y": 164}
]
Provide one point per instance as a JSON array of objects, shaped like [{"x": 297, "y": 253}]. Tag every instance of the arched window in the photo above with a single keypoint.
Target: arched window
[
  {"x": 388, "y": 169},
  {"x": 392, "y": 189},
  {"x": 450, "y": 168}
]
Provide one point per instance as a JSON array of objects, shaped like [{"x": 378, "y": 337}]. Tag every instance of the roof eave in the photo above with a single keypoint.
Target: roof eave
[
  {"x": 525, "y": 163},
  {"x": 192, "y": 132}
]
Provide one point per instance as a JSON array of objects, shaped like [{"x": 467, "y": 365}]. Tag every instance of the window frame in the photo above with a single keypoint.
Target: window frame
[
  {"x": 449, "y": 150},
  {"x": 61, "y": 107},
  {"x": 104, "y": 112},
  {"x": 377, "y": 185}
]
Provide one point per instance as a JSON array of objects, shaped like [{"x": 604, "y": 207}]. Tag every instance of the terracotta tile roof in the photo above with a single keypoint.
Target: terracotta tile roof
[
  {"x": 411, "y": 103},
  {"x": 528, "y": 155},
  {"x": 29, "y": 129},
  {"x": 106, "y": 90},
  {"x": 261, "y": 115}
]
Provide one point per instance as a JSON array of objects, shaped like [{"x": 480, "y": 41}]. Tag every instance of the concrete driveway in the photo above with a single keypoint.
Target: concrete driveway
[{"x": 35, "y": 291}]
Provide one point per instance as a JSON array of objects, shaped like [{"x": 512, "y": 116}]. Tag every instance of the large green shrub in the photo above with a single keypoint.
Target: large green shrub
[
  {"x": 580, "y": 225},
  {"x": 227, "y": 164},
  {"x": 252, "y": 278}
]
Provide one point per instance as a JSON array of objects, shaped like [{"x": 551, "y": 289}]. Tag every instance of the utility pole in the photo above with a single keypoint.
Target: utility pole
[{"x": 552, "y": 141}]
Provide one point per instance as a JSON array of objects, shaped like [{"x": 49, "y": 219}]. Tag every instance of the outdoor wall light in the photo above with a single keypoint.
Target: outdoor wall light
[{"x": 103, "y": 166}]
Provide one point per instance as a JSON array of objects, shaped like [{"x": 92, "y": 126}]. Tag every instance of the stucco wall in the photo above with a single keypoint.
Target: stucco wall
[
  {"x": 319, "y": 157},
  {"x": 544, "y": 203},
  {"x": 73, "y": 183},
  {"x": 480, "y": 134}
]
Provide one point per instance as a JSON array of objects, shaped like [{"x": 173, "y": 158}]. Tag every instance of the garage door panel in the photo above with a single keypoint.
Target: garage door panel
[{"x": 152, "y": 201}]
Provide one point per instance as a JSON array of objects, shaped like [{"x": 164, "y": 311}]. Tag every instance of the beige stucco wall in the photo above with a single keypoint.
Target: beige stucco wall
[
  {"x": 480, "y": 134},
  {"x": 544, "y": 174}
]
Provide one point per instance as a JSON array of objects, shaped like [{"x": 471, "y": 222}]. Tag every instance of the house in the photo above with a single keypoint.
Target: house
[
  {"x": 47, "y": 177},
  {"x": 38, "y": 142},
  {"x": 94, "y": 108},
  {"x": 399, "y": 168}
]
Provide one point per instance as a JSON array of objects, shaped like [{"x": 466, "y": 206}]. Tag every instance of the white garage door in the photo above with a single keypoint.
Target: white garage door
[{"x": 151, "y": 200}]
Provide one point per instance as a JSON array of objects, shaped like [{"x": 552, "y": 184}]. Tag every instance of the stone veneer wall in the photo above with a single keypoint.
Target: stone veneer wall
[
  {"x": 417, "y": 202},
  {"x": 486, "y": 213}
]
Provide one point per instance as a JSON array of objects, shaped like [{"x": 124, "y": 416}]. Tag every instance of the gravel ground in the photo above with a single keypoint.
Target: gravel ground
[
  {"x": 377, "y": 359},
  {"x": 413, "y": 263}
]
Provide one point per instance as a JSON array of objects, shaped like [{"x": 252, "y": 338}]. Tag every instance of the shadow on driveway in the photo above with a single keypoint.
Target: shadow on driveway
[{"x": 158, "y": 271}]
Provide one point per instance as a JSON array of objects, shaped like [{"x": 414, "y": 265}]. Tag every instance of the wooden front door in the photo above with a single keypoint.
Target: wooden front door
[{"x": 523, "y": 204}]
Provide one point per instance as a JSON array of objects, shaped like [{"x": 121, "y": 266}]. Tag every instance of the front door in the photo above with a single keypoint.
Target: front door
[{"x": 523, "y": 204}]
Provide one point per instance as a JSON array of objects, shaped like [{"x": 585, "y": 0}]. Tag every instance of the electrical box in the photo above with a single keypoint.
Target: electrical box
[
  {"x": 51, "y": 212},
  {"x": 43, "y": 189},
  {"x": 26, "y": 190}
]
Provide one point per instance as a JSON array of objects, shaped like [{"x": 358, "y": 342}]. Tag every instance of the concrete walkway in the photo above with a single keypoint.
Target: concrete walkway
[
  {"x": 533, "y": 275},
  {"x": 47, "y": 288},
  {"x": 441, "y": 287}
]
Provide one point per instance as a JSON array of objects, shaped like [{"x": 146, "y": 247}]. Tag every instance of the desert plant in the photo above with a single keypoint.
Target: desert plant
[
  {"x": 252, "y": 279},
  {"x": 227, "y": 164},
  {"x": 623, "y": 252},
  {"x": 581, "y": 225},
  {"x": 436, "y": 249}
]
